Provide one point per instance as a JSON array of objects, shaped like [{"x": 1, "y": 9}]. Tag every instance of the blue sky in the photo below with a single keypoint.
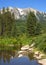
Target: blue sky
[{"x": 36, "y": 4}]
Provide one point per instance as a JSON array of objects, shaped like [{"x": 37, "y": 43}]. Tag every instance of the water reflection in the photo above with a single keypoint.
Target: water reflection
[
  {"x": 8, "y": 52},
  {"x": 6, "y": 55}
]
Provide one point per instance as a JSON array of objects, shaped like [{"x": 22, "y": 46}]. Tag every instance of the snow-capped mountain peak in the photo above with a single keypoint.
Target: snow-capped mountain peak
[{"x": 23, "y": 12}]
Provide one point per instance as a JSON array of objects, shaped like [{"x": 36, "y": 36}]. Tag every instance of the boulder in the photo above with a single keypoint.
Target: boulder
[
  {"x": 42, "y": 55},
  {"x": 30, "y": 49},
  {"x": 32, "y": 45},
  {"x": 25, "y": 48},
  {"x": 20, "y": 55},
  {"x": 43, "y": 61},
  {"x": 37, "y": 53},
  {"x": 22, "y": 52}
]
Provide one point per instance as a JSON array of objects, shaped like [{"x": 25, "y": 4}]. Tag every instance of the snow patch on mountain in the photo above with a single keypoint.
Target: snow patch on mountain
[{"x": 20, "y": 11}]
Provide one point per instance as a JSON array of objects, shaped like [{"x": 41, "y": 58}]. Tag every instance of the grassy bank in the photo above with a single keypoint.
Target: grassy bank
[{"x": 40, "y": 41}]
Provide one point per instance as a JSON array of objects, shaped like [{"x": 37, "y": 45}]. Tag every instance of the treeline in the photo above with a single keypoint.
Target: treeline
[
  {"x": 10, "y": 27},
  {"x": 7, "y": 23}
]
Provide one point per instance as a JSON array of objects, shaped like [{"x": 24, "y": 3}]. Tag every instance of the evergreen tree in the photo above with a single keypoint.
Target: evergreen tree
[
  {"x": 13, "y": 31},
  {"x": 31, "y": 23},
  {"x": 33, "y": 26},
  {"x": 38, "y": 29},
  {"x": 0, "y": 24},
  {"x": 7, "y": 23}
]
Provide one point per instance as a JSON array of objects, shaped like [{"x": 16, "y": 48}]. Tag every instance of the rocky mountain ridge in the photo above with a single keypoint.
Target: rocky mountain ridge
[{"x": 22, "y": 13}]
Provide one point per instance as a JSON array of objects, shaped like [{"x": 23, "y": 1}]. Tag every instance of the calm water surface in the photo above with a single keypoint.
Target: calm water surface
[{"x": 9, "y": 57}]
